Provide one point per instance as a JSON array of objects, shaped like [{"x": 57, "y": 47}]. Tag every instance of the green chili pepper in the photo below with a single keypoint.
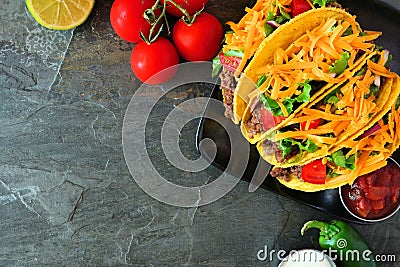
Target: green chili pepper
[{"x": 346, "y": 242}]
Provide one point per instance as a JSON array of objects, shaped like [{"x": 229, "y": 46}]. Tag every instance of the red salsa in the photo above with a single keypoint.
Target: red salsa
[{"x": 374, "y": 195}]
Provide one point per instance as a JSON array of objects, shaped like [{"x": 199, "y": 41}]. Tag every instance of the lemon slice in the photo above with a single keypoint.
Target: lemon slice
[{"x": 60, "y": 14}]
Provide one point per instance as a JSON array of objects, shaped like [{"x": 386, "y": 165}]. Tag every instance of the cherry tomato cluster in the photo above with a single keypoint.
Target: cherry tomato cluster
[{"x": 196, "y": 35}]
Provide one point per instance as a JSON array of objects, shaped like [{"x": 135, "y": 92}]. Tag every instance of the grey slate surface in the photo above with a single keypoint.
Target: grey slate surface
[{"x": 66, "y": 195}]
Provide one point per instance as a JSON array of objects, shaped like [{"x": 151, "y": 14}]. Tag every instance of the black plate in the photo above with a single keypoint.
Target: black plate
[{"x": 372, "y": 15}]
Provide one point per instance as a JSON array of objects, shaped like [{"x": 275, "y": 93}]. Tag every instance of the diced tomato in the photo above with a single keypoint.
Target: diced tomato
[
  {"x": 313, "y": 124},
  {"x": 229, "y": 62},
  {"x": 363, "y": 207},
  {"x": 383, "y": 179},
  {"x": 395, "y": 181},
  {"x": 394, "y": 194},
  {"x": 268, "y": 120},
  {"x": 378, "y": 204},
  {"x": 299, "y": 6},
  {"x": 362, "y": 182},
  {"x": 363, "y": 204},
  {"x": 279, "y": 119},
  {"x": 314, "y": 172},
  {"x": 394, "y": 173},
  {"x": 376, "y": 192},
  {"x": 370, "y": 180}
]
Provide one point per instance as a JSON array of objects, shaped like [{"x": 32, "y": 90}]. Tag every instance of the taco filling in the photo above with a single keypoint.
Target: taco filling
[
  {"x": 247, "y": 35},
  {"x": 335, "y": 116},
  {"x": 228, "y": 85},
  {"x": 347, "y": 161},
  {"x": 320, "y": 59}
]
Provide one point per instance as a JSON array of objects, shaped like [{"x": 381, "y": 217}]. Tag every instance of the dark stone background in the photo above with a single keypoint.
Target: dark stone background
[{"x": 67, "y": 197}]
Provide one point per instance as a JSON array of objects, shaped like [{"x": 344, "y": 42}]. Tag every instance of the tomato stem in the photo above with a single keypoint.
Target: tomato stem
[
  {"x": 154, "y": 20},
  {"x": 151, "y": 17},
  {"x": 186, "y": 16}
]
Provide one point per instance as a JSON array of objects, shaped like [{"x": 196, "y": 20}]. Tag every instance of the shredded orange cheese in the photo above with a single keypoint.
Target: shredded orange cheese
[
  {"x": 248, "y": 33},
  {"x": 354, "y": 107},
  {"x": 379, "y": 69},
  {"x": 301, "y": 134},
  {"x": 312, "y": 55},
  {"x": 373, "y": 150}
]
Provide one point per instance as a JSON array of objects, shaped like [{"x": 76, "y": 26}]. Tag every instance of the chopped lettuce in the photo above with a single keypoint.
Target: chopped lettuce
[
  {"x": 340, "y": 160},
  {"x": 286, "y": 146},
  {"x": 340, "y": 64},
  {"x": 390, "y": 58},
  {"x": 331, "y": 173},
  {"x": 216, "y": 66},
  {"x": 268, "y": 29},
  {"x": 283, "y": 17},
  {"x": 304, "y": 97},
  {"x": 332, "y": 97},
  {"x": 348, "y": 31},
  {"x": 283, "y": 12},
  {"x": 273, "y": 106},
  {"x": 362, "y": 71},
  {"x": 373, "y": 89},
  {"x": 321, "y": 3},
  {"x": 261, "y": 80},
  {"x": 234, "y": 53},
  {"x": 397, "y": 102},
  {"x": 270, "y": 16}
]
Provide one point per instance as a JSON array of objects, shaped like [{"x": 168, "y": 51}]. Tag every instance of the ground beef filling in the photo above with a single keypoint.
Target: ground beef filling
[
  {"x": 254, "y": 123},
  {"x": 271, "y": 148},
  {"x": 284, "y": 173},
  {"x": 335, "y": 4},
  {"x": 228, "y": 85}
]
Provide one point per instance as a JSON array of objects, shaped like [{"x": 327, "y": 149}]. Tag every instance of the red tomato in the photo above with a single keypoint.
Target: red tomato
[
  {"x": 383, "y": 179},
  {"x": 229, "y": 62},
  {"x": 191, "y": 6},
  {"x": 395, "y": 193},
  {"x": 279, "y": 119},
  {"x": 313, "y": 124},
  {"x": 299, "y": 6},
  {"x": 127, "y": 20},
  {"x": 378, "y": 204},
  {"x": 376, "y": 192},
  {"x": 362, "y": 181},
  {"x": 149, "y": 59},
  {"x": 199, "y": 41},
  {"x": 314, "y": 172},
  {"x": 363, "y": 207},
  {"x": 268, "y": 120}
]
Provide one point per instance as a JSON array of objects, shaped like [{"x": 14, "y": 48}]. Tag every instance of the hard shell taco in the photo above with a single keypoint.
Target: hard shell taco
[
  {"x": 351, "y": 158},
  {"x": 341, "y": 113},
  {"x": 260, "y": 27},
  {"x": 316, "y": 51}
]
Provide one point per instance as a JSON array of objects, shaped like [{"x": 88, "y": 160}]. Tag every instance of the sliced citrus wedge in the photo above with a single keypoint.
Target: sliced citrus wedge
[{"x": 60, "y": 14}]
